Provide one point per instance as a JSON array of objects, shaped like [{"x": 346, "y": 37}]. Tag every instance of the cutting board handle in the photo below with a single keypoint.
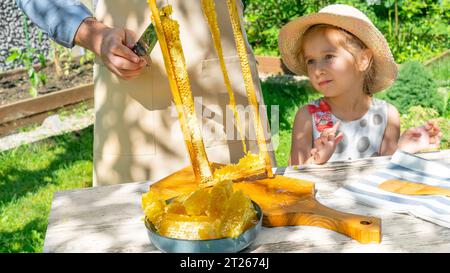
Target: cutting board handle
[{"x": 310, "y": 212}]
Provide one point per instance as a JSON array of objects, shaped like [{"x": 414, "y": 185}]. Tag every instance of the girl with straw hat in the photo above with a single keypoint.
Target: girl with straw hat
[{"x": 347, "y": 60}]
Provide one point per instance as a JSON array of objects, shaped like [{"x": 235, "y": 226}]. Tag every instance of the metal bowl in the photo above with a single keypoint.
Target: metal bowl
[{"x": 222, "y": 245}]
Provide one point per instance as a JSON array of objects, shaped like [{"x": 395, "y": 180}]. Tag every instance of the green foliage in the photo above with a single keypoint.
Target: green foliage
[
  {"x": 413, "y": 87},
  {"x": 28, "y": 128},
  {"x": 29, "y": 175},
  {"x": 282, "y": 145},
  {"x": 26, "y": 57},
  {"x": 440, "y": 70},
  {"x": 78, "y": 110},
  {"x": 88, "y": 56},
  {"x": 265, "y": 18},
  {"x": 417, "y": 31},
  {"x": 418, "y": 115},
  {"x": 289, "y": 94},
  {"x": 422, "y": 28},
  {"x": 62, "y": 58},
  {"x": 418, "y": 40}
]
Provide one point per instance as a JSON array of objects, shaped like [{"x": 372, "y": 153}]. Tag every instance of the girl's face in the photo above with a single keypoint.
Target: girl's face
[{"x": 331, "y": 68}]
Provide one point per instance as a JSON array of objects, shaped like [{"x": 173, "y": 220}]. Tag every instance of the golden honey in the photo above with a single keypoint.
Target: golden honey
[
  {"x": 217, "y": 211},
  {"x": 212, "y": 213}
]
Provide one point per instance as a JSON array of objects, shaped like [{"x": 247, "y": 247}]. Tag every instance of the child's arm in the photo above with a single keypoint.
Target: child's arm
[
  {"x": 301, "y": 137},
  {"x": 392, "y": 132}
]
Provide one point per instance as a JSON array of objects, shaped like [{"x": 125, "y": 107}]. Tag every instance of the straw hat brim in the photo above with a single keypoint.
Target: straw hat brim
[{"x": 291, "y": 35}]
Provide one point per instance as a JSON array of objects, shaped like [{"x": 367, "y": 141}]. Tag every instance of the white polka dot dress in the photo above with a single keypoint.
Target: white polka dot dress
[{"x": 362, "y": 137}]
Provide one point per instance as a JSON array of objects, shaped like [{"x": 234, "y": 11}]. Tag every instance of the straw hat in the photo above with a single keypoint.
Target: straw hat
[{"x": 353, "y": 21}]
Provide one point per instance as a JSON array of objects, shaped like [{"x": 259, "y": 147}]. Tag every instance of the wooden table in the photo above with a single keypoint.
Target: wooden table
[{"x": 109, "y": 219}]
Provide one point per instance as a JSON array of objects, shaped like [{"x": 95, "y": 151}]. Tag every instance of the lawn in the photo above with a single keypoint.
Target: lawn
[{"x": 29, "y": 175}]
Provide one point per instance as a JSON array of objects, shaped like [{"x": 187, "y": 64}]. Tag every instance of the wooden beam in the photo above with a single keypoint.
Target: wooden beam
[
  {"x": 35, "y": 110},
  {"x": 9, "y": 127},
  {"x": 271, "y": 65},
  {"x": 33, "y": 106}
]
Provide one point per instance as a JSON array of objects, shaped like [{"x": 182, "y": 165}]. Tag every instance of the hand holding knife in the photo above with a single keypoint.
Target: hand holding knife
[{"x": 146, "y": 43}]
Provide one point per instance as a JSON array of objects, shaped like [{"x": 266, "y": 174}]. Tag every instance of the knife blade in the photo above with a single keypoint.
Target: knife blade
[{"x": 146, "y": 43}]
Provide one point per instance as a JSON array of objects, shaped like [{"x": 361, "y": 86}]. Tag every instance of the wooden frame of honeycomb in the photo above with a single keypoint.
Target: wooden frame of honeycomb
[{"x": 167, "y": 29}]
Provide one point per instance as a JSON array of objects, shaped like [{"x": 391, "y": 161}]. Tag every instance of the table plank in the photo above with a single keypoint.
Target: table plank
[{"x": 109, "y": 218}]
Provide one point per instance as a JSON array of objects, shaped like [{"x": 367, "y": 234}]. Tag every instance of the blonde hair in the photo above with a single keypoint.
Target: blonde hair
[{"x": 348, "y": 41}]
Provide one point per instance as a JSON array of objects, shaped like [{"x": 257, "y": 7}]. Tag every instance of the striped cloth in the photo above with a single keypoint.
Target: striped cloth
[{"x": 404, "y": 166}]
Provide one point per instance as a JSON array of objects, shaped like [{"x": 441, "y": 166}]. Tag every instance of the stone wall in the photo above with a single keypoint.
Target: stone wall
[{"x": 12, "y": 33}]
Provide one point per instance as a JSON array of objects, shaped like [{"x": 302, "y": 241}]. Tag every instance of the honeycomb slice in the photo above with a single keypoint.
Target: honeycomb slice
[
  {"x": 176, "y": 207},
  {"x": 188, "y": 227},
  {"x": 238, "y": 217},
  {"x": 220, "y": 194},
  {"x": 154, "y": 207},
  {"x": 197, "y": 203},
  {"x": 251, "y": 165}
]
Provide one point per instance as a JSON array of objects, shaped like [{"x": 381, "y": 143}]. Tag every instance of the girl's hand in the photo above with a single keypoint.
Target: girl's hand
[
  {"x": 427, "y": 136},
  {"x": 325, "y": 145}
]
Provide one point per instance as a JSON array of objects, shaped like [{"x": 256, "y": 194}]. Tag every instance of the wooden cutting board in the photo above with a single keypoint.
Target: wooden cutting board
[
  {"x": 285, "y": 202},
  {"x": 412, "y": 188}
]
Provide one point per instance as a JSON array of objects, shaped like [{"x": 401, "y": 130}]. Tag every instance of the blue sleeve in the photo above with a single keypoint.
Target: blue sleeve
[{"x": 60, "y": 19}]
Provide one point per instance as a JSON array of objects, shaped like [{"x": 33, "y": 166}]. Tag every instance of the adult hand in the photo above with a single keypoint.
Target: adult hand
[
  {"x": 325, "y": 145},
  {"x": 427, "y": 136},
  {"x": 113, "y": 46}
]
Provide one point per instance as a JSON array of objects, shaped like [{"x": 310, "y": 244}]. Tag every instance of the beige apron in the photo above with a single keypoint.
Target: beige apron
[{"x": 137, "y": 136}]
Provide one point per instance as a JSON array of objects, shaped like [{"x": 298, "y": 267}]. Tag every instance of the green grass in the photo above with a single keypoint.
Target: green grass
[
  {"x": 289, "y": 94},
  {"x": 440, "y": 70},
  {"x": 27, "y": 128},
  {"x": 282, "y": 145},
  {"x": 266, "y": 52},
  {"x": 78, "y": 110},
  {"x": 29, "y": 175}
]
